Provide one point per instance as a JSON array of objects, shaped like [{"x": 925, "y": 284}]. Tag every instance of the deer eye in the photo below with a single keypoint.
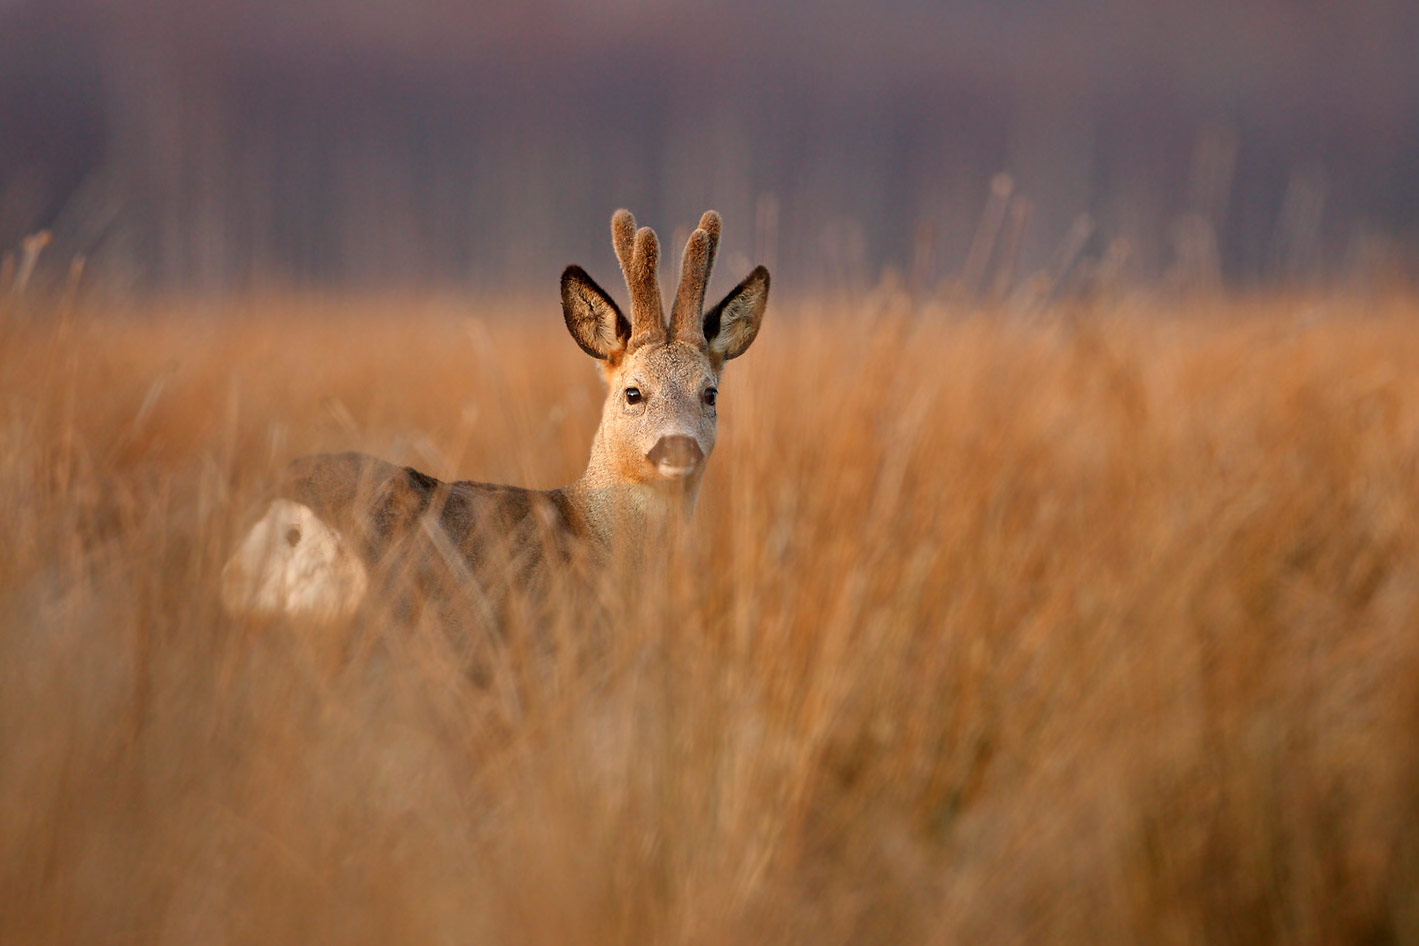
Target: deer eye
[
  {"x": 711, "y": 395},
  {"x": 633, "y": 395}
]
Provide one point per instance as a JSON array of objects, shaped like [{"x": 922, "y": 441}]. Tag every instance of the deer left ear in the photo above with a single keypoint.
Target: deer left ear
[
  {"x": 731, "y": 326},
  {"x": 593, "y": 319}
]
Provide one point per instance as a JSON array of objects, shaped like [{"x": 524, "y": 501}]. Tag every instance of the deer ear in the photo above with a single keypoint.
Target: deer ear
[
  {"x": 592, "y": 318},
  {"x": 730, "y": 327}
]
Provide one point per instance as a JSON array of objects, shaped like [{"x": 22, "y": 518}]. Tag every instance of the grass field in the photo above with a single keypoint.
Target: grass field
[{"x": 1096, "y": 626}]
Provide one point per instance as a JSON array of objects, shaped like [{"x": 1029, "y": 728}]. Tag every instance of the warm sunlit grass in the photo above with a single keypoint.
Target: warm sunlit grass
[{"x": 1100, "y": 626}]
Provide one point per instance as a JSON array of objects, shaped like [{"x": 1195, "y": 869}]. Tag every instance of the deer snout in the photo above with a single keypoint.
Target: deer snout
[{"x": 677, "y": 456}]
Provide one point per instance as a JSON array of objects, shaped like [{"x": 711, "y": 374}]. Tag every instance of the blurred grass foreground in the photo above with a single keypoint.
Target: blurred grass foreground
[{"x": 1096, "y": 626}]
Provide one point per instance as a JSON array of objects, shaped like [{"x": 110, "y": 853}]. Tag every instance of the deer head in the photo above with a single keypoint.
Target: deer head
[{"x": 662, "y": 379}]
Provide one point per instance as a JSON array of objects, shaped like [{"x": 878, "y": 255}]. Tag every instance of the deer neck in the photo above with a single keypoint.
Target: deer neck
[{"x": 618, "y": 509}]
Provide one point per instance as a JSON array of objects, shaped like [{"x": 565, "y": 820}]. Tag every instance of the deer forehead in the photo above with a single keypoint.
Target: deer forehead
[{"x": 673, "y": 364}]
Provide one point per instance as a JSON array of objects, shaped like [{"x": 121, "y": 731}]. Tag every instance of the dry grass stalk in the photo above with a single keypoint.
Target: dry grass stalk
[{"x": 1088, "y": 630}]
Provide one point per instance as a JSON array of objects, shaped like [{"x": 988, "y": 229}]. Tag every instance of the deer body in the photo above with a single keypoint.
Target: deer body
[{"x": 340, "y": 515}]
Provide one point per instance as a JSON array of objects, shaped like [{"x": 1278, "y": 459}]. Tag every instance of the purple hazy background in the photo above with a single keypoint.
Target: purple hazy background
[{"x": 224, "y": 144}]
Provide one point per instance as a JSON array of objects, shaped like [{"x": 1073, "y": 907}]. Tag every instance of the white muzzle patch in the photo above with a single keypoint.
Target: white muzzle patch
[{"x": 292, "y": 563}]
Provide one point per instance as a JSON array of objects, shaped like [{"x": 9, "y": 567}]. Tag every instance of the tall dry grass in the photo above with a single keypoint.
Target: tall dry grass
[{"x": 1096, "y": 627}]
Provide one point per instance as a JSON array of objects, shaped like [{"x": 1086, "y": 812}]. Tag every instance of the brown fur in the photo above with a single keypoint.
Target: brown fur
[
  {"x": 623, "y": 240},
  {"x": 687, "y": 318},
  {"x": 710, "y": 223},
  {"x": 380, "y": 504},
  {"x": 647, "y": 459},
  {"x": 732, "y": 326},
  {"x": 647, "y": 320}
]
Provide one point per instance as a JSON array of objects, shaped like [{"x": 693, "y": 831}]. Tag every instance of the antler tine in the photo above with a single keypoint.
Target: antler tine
[
  {"x": 709, "y": 222},
  {"x": 687, "y": 318},
  {"x": 647, "y": 320},
  {"x": 623, "y": 238}
]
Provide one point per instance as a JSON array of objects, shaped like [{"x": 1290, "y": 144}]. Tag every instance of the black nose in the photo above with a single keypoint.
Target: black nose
[{"x": 676, "y": 451}]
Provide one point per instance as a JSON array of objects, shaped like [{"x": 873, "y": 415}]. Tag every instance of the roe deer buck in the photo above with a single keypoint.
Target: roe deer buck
[{"x": 338, "y": 515}]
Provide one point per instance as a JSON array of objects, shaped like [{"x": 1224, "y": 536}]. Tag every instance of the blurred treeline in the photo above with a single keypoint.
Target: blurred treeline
[{"x": 215, "y": 145}]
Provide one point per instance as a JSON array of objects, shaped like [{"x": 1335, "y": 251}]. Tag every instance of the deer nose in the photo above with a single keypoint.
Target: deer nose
[{"x": 676, "y": 456}]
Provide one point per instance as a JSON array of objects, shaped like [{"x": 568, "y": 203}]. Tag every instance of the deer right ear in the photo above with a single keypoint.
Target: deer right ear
[
  {"x": 731, "y": 326},
  {"x": 592, "y": 318}
]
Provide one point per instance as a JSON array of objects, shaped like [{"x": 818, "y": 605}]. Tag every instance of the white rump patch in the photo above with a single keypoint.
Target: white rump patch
[{"x": 292, "y": 563}]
